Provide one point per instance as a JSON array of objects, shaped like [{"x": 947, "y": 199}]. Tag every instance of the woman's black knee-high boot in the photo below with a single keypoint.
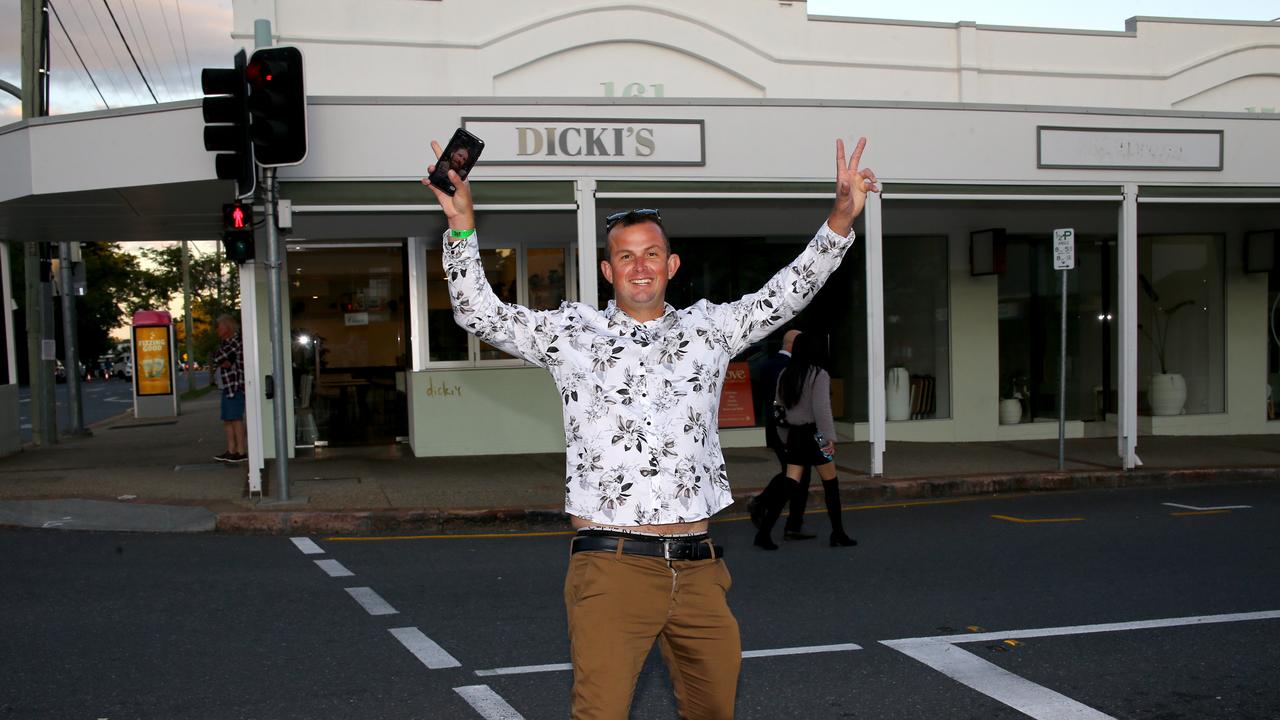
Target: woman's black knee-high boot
[
  {"x": 772, "y": 500},
  {"x": 831, "y": 492}
]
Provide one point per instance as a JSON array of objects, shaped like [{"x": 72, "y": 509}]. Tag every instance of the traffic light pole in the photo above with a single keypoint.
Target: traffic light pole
[{"x": 280, "y": 410}]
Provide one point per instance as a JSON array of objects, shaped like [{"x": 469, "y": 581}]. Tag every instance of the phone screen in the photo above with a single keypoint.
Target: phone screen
[{"x": 460, "y": 155}]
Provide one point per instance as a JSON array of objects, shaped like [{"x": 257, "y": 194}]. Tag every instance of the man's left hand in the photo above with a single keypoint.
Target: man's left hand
[{"x": 852, "y": 186}]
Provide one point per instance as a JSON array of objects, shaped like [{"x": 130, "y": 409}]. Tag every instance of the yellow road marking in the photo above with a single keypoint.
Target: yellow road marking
[
  {"x": 1039, "y": 520},
  {"x": 1200, "y": 512}
]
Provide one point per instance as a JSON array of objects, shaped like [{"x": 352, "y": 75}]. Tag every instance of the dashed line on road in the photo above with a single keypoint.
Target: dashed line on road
[
  {"x": 334, "y": 568},
  {"x": 1211, "y": 507},
  {"x": 488, "y": 703},
  {"x": 424, "y": 648},
  {"x": 307, "y": 546},
  {"x": 371, "y": 601},
  {"x": 942, "y": 654}
]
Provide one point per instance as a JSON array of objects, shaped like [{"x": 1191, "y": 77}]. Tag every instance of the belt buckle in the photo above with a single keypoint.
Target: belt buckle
[{"x": 666, "y": 550}]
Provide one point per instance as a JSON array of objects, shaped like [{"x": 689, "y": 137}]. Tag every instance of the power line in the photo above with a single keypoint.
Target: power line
[
  {"x": 84, "y": 33},
  {"x": 182, "y": 33},
  {"x": 131, "y": 57},
  {"x": 154, "y": 66},
  {"x": 110, "y": 46},
  {"x": 77, "y": 50},
  {"x": 164, "y": 15},
  {"x": 60, "y": 47}
]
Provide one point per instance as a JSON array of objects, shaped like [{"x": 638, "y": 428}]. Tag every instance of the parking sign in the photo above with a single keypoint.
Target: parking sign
[{"x": 1064, "y": 249}]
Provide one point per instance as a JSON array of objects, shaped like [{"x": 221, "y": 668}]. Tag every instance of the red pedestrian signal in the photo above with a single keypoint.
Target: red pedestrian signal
[{"x": 237, "y": 231}]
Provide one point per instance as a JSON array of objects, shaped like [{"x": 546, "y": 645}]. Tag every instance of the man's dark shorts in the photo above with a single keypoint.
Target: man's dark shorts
[{"x": 232, "y": 407}]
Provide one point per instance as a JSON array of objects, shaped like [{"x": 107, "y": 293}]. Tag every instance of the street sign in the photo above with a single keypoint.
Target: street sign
[{"x": 1064, "y": 249}]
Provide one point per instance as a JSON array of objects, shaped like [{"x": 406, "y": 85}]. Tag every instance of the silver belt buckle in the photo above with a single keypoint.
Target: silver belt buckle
[{"x": 666, "y": 550}]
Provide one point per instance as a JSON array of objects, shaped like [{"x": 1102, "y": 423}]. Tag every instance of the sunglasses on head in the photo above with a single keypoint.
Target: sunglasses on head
[{"x": 632, "y": 216}]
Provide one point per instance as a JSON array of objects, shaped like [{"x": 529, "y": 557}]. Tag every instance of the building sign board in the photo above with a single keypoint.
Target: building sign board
[
  {"x": 589, "y": 141},
  {"x": 1119, "y": 149}
]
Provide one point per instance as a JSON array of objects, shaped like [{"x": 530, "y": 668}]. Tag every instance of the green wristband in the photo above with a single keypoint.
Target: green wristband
[{"x": 461, "y": 234}]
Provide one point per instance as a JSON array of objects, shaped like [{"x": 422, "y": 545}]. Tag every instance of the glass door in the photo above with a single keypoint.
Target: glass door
[{"x": 350, "y": 344}]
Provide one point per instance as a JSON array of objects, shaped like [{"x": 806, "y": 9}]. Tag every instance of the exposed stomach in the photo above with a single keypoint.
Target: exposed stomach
[{"x": 687, "y": 528}]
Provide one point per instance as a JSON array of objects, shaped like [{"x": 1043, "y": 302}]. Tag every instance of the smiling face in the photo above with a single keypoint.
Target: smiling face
[{"x": 639, "y": 266}]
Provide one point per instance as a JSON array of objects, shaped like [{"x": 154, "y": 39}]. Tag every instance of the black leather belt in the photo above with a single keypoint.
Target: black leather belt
[{"x": 677, "y": 549}]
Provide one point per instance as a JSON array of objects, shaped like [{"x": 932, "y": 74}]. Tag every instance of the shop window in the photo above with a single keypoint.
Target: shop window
[
  {"x": 1029, "y": 313},
  {"x": 916, "y": 328},
  {"x": 1181, "y": 317},
  {"x": 542, "y": 284}
]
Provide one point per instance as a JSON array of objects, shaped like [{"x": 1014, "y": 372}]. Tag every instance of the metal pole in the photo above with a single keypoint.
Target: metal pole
[
  {"x": 71, "y": 354},
  {"x": 280, "y": 410},
  {"x": 1062, "y": 379},
  {"x": 186, "y": 311}
]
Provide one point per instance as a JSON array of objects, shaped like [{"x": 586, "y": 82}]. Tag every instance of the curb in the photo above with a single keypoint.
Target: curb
[{"x": 446, "y": 521}]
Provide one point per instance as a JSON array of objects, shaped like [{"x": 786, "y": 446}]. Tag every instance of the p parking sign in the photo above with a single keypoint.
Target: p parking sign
[{"x": 1064, "y": 249}]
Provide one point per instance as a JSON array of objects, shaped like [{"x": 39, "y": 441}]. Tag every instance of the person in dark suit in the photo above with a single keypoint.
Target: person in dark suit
[{"x": 769, "y": 371}]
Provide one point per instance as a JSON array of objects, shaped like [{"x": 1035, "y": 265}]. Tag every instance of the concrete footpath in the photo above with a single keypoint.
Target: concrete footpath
[{"x": 160, "y": 476}]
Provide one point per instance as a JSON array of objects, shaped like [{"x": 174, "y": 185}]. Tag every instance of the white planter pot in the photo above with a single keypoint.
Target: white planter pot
[
  {"x": 897, "y": 394},
  {"x": 1167, "y": 393},
  {"x": 1010, "y": 411}
]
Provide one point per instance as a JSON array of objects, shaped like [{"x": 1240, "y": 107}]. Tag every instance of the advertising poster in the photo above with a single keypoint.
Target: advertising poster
[
  {"x": 736, "y": 408},
  {"x": 151, "y": 360}
]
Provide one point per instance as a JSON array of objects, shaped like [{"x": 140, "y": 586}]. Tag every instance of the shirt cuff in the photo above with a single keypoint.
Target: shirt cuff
[
  {"x": 455, "y": 250},
  {"x": 826, "y": 231}
]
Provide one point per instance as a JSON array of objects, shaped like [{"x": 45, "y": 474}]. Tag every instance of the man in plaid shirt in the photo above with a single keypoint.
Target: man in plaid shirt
[{"x": 228, "y": 362}]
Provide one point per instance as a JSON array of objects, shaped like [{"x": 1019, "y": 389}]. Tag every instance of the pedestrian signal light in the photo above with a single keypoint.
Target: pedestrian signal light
[
  {"x": 226, "y": 116},
  {"x": 237, "y": 231},
  {"x": 277, "y": 106}
]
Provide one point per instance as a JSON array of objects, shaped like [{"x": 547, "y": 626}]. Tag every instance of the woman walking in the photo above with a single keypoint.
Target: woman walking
[{"x": 804, "y": 390}]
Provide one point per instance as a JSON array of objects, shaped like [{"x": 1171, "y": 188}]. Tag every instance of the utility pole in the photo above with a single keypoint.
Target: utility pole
[
  {"x": 35, "y": 103},
  {"x": 71, "y": 354},
  {"x": 186, "y": 310}
]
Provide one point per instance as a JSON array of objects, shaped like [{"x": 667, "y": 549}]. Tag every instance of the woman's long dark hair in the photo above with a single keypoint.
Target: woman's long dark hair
[{"x": 808, "y": 356}]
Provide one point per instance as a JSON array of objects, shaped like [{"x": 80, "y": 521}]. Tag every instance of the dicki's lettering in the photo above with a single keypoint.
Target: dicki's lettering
[{"x": 572, "y": 142}]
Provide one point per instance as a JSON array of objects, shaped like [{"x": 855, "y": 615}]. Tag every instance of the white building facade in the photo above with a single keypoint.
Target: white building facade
[{"x": 1155, "y": 145}]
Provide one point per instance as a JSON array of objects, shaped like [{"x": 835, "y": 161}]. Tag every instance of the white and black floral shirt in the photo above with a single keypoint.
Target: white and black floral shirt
[{"x": 641, "y": 400}]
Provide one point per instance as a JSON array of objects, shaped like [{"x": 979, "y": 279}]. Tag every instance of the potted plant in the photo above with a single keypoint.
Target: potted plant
[
  {"x": 1011, "y": 405},
  {"x": 1167, "y": 392}
]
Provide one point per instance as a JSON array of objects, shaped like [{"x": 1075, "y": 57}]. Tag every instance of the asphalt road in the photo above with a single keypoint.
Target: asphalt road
[
  {"x": 101, "y": 399},
  {"x": 1065, "y": 605}
]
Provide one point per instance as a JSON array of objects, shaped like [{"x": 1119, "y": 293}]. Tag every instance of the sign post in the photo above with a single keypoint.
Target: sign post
[{"x": 1064, "y": 259}]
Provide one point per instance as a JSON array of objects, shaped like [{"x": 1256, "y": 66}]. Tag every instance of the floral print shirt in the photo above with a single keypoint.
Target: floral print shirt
[{"x": 641, "y": 400}]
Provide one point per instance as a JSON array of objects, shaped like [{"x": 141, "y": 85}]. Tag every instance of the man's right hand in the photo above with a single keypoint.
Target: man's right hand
[{"x": 458, "y": 208}]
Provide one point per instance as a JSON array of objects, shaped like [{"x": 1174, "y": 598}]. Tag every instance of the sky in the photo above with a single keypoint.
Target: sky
[{"x": 172, "y": 39}]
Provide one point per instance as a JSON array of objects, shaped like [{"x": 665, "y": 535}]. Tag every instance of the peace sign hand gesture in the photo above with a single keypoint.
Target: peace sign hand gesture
[{"x": 852, "y": 186}]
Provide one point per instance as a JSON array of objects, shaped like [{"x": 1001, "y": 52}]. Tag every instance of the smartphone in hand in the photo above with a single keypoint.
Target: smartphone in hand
[{"x": 460, "y": 155}]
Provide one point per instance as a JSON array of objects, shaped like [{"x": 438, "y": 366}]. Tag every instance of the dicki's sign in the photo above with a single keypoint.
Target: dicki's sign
[{"x": 581, "y": 141}]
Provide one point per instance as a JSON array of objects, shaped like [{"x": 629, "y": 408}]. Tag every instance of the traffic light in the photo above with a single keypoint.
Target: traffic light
[
  {"x": 237, "y": 231},
  {"x": 277, "y": 106},
  {"x": 226, "y": 130}
]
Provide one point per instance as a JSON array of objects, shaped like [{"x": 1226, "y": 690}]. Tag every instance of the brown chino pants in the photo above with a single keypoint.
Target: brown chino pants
[{"x": 618, "y": 604}]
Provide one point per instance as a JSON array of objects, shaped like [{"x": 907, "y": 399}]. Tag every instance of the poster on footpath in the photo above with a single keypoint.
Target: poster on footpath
[{"x": 736, "y": 407}]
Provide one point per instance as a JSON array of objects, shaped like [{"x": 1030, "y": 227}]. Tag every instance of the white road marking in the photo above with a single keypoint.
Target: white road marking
[
  {"x": 334, "y": 568},
  {"x": 1216, "y": 507},
  {"x": 424, "y": 648},
  {"x": 525, "y": 669},
  {"x": 56, "y": 523},
  {"x": 307, "y": 546},
  {"x": 800, "y": 650},
  {"x": 488, "y": 703},
  {"x": 371, "y": 601},
  {"x": 559, "y": 667},
  {"x": 941, "y": 654},
  {"x": 994, "y": 681}
]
